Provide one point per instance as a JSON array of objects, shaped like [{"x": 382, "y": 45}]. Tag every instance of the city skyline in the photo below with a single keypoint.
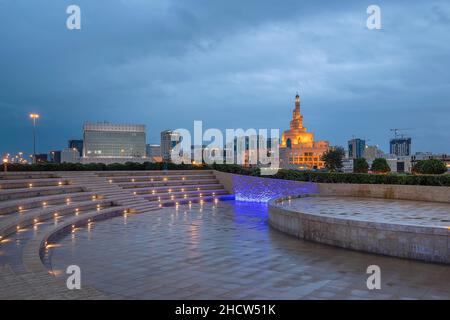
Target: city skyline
[{"x": 353, "y": 81}]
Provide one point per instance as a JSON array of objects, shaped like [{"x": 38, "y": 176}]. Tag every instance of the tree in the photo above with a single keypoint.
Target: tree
[
  {"x": 431, "y": 166},
  {"x": 380, "y": 165},
  {"x": 333, "y": 158},
  {"x": 360, "y": 166}
]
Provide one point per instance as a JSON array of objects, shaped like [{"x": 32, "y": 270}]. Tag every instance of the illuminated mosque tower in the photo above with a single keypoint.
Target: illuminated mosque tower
[{"x": 298, "y": 149}]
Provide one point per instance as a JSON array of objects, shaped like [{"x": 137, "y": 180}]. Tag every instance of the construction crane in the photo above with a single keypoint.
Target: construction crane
[{"x": 396, "y": 130}]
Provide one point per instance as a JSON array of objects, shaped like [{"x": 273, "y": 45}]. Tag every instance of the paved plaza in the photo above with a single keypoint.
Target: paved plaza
[{"x": 228, "y": 251}]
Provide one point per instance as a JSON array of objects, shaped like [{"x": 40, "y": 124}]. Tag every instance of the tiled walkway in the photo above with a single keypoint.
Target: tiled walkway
[{"x": 228, "y": 251}]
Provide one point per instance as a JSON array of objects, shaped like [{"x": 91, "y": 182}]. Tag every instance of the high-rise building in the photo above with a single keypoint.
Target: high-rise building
[
  {"x": 70, "y": 156},
  {"x": 76, "y": 144},
  {"x": 169, "y": 139},
  {"x": 154, "y": 152},
  {"x": 372, "y": 152},
  {"x": 298, "y": 148},
  {"x": 108, "y": 143},
  {"x": 55, "y": 156},
  {"x": 356, "y": 148},
  {"x": 400, "y": 146},
  {"x": 41, "y": 158}
]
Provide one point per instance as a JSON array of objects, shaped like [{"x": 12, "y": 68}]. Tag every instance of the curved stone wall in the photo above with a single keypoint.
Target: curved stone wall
[{"x": 431, "y": 244}]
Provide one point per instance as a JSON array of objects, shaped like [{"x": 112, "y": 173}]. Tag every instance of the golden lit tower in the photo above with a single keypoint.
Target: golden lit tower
[{"x": 298, "y": 145}]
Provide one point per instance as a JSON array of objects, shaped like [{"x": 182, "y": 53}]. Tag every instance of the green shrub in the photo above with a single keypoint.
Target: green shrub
[
  {"x": 380, "y": 165},
  {"x": 334, "y": 158},
  {"x": 363, "y": 178},
  {"x": 431, "y": 166},
  {"x": 360, "y": 166}
]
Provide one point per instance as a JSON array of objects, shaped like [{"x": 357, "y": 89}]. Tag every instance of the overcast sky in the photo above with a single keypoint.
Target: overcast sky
[{"x": 232, "y": 64}]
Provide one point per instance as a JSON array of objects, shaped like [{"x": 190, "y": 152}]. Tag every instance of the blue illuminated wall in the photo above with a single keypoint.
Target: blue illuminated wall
[{"x": 256, "y": 189}]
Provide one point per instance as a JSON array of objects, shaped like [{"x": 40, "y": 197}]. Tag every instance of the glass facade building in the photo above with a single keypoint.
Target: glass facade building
[
  {"x": 106, "y": 140},
  {"x": 356, "y": 148},
  {"x": 400, "y": 146}
]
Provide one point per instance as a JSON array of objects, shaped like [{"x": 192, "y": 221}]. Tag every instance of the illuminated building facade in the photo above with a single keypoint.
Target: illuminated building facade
[
  {"x": 113, "y": 143},
  {"x": 298, "y": 150}
]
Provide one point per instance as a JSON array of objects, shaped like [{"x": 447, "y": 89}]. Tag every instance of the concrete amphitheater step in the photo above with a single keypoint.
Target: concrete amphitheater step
[
  {"x": 26, "y": 175},
  {"x": 27, "y": 183},
  {"x": 150, "y": 173},
  {"x": 132, "y": 179},
  {"x": 186, "y": 194},
  {"x": 8, "y": 207},
  {"x": 38, "y": 192},
  {"x": 168, "y": 183},
  {"x": 183, "y": 201},
  {"x": 164, "y": 189},
  {"x": 12, "y": 223}
]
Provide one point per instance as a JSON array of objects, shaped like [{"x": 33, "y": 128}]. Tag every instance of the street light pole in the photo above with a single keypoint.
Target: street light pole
[{"x": 34, "y": 117}]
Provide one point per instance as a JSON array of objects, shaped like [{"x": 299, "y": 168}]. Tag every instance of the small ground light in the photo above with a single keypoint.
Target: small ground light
[
  {"x": 55, "y": 215},
  {"x": 60, "y": 183},
  {"x": 30, "y": 185},
  {"x": 44, "y": 203},
  {"x": 20, "y": 208},
  {"x": 18, "y": 227},
  {"x": 35, "y": 220}
]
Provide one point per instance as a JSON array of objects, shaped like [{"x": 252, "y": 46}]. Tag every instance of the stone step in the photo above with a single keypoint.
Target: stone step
[
  {"x": 27, "y": 184},
  {"x": 38, "y": 192},
  {"x": 152, "y": 172},
  {"x": 164, "y": 189},
  {"x": 175, "y": 202},
  {"x": 133, "y": 179},
  {"x": 8, "y": 207},
  {"x": 168, "y": 183},
  {"x": 189, "y": 194},
  {"x": 13, "y": 223}
]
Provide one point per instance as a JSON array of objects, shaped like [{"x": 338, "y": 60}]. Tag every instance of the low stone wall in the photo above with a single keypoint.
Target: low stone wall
[{"x": 403, "y": 192}]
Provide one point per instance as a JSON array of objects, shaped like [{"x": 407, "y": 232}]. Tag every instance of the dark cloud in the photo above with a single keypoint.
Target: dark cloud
[{"x": 229, "y": 63}]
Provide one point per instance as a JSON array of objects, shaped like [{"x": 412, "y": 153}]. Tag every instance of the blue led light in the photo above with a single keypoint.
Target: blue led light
[{"x": 254, "y": 189}]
